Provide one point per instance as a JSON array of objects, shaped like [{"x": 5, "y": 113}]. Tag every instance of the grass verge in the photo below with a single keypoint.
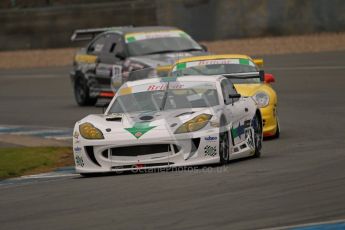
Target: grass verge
[{"x": 16, "y": 162}]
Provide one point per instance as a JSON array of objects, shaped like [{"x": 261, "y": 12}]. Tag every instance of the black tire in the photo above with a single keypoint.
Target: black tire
[
  {"x": 82, "y": 93},
  {"x": 224, "y": 156},
  {"x": 257, "y": 125},
  {"x": 277, "y": 134},
  {"x": 86, "y": 175}
]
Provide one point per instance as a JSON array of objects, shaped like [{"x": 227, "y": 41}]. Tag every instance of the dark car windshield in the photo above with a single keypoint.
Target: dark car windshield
[
  {"x": 160, "y": 42},
  {"x": 217, "y": 67}
]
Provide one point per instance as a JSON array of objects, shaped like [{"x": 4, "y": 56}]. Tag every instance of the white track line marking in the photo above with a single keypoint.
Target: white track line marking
[
  {"x": 37, "y": 132},
  {"x": 60, "y": 138},
  {"x": 307, "y": 68},
  {"x": 47, "y": 175},
  {"x": 32, "y": 76},
  {"x": 305, "y": 225},
  {"x": 44, "y": 132}
]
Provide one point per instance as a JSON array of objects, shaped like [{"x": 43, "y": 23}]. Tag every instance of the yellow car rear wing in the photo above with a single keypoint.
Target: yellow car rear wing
[
  {"x": 164, "y": 70},
  {"x": 259, "y": 62}
]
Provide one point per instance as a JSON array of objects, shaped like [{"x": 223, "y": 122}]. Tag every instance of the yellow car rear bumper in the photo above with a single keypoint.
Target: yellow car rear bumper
[{"x": 269, "y": 120}]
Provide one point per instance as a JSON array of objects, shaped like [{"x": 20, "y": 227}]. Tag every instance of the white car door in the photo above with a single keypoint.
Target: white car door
[{"x": 235, "y": 110}]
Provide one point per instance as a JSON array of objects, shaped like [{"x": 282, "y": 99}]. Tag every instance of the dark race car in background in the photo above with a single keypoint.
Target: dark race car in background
[{"x": 114, "y": 54}]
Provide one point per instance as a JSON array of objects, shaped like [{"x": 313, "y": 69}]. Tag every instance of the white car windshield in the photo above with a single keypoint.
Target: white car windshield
[
  {"x": 217, "y": 67},
  {"x": 165, "y": 96}
]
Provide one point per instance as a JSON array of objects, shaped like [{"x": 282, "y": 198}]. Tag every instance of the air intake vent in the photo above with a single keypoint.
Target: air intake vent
[
  {"x": 195, "y": 144},
  {"x": 146, "y": 118},
  {"x": 143, "y": 165},
  {"x": 139, "y": 150},
  {"x": 176, "y": 148},
  {"x": 91, "y": 155},
  {"x": 105, "y": 153},
  {"x": 243, "y": 146},
  {"x": 114, "y": 118}
]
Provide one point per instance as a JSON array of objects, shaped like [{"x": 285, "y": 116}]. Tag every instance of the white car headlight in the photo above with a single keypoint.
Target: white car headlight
[{"x": 262, "y": 99}]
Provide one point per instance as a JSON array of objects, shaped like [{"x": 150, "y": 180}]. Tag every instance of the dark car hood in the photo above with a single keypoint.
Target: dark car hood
[{"x": 155, "y": 60}]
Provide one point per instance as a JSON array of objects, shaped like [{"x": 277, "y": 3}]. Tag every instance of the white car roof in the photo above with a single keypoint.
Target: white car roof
[{"x": 196, "y": 78}]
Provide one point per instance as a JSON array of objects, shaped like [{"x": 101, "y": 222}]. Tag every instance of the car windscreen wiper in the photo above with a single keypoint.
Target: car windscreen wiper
[
  {"x": 189, "y": 50},
  {"x": 242, "y": 75},
  {"x": 162, "y": 52},
  {"x": 174, "y": 51}
]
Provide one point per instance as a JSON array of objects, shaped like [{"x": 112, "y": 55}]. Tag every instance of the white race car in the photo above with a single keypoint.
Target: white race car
[{"x": 169, "y": 122}]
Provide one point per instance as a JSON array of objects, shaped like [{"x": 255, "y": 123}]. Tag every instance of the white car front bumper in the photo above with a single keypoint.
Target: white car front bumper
[{"x": 155, "y": 149}]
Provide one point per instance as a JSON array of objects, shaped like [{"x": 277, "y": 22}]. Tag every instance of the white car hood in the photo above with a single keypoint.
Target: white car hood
[{"x": 118, "y": 123}]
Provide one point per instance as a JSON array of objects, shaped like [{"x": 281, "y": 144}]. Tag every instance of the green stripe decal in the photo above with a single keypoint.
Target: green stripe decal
[
  {"x": 139, "y": 129},
  {"x": 244, "y": 61},
  {"x": 184, "y": 35},
  {"x": 237, "y": 132},
  {"x": 234, "y": 133},
  {"x": 131, "y": 39},
  {"x": 180, "y": 66}
]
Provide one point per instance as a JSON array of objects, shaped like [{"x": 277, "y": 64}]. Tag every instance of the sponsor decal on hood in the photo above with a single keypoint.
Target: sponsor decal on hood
[{"x": 140, "y": 128}]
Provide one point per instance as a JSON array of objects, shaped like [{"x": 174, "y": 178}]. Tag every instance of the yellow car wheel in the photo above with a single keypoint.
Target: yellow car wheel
[{"x": 277, "y": 134}]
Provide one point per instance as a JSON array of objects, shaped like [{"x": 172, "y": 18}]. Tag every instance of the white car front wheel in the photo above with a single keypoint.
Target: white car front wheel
[
  {"x": 224, "y": 147},
  {"x": 257, "y": 125}
]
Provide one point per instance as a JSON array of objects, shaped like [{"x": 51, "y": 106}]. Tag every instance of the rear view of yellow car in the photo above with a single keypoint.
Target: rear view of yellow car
[{"x": 245, "y": 75}]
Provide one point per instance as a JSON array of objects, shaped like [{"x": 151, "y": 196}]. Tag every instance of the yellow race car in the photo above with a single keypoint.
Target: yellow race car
[{"x": 248, "y": 80}]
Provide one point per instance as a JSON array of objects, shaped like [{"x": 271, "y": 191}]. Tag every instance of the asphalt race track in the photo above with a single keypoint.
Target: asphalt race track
[{"x": 299, "y": 179}]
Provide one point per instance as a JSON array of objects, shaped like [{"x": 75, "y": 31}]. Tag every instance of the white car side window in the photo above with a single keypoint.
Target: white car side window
[
  {"x": 225, "y": 91},
  {"x": 228, "y": 89}
]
